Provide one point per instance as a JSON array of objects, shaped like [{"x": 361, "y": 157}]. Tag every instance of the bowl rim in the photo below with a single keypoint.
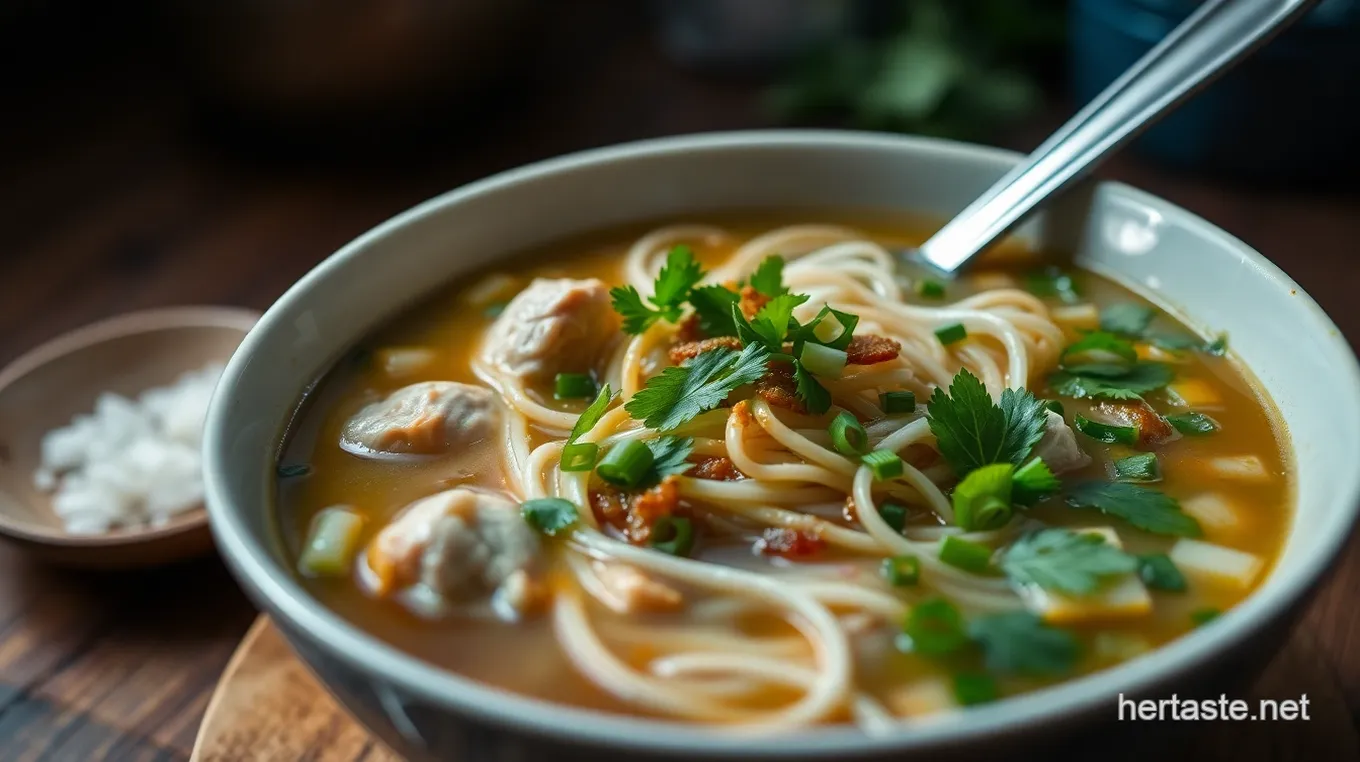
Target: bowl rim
[
  {"x": 274, "y": 588},
  {"x": 90, "y": 334}
]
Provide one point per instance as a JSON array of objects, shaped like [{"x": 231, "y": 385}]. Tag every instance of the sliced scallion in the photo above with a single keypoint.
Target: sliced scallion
[
  {"x": 901, "y": 571},
  {"x": 579, "y": 456},
  {"x": 1193, "y": 424},
  {"x": 929, "y": 289},
  {"x": 894, "y": 515},
  {"x": 571, "y": 386},
  {"x": 848, "y": 436},
  {"x": 951, "y": 334},
  {"x": 673, "y": 535},
  {"x": 1103, "y": 432},
  {"x": 935, "y": 628},
  {"x": 966, "y": 555},
  {"x": 972, "y": 688},
  {"x": 823, "y": 361},
  {"x": 894, "y": 403},
  {"x": 626, "y": 464},
  {"x": 885, "y": 464}
]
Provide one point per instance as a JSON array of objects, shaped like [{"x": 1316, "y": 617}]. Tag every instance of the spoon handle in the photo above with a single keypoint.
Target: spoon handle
[{"x": 1215, "y": 36}]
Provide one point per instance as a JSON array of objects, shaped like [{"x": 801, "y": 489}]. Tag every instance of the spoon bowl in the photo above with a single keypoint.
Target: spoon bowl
[{"x": 45, "y": 388}]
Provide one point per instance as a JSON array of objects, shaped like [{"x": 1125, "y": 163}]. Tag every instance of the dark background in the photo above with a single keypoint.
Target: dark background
[{"x": 158, "y": 153}]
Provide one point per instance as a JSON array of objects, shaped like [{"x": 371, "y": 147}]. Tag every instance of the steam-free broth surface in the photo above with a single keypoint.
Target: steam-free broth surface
[{"x": 1233, "y": 481}]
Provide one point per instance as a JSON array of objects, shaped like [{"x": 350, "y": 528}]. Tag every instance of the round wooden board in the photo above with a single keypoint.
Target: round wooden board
[{"x": 269, "y": 708}]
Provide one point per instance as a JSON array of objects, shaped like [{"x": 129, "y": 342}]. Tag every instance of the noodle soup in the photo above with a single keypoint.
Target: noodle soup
[{"x": 770, "y": 475}]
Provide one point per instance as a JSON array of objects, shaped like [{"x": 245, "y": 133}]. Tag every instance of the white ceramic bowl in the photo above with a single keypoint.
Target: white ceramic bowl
[{"x": 1208, "y": 277}]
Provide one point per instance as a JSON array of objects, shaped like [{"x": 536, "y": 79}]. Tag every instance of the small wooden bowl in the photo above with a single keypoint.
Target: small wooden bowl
[{"x": 45, "y": 388}]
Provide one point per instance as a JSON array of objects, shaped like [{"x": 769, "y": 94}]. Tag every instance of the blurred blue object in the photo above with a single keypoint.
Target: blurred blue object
[{"x": 1288, "y": 113}]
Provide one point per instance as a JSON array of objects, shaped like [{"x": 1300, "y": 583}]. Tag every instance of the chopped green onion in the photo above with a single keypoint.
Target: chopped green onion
[
  {"x": 969, "y": 556},
  {"x": 571, "y": 386},
  {"x": 626, "y": 464},
  {"x": 1193, "y": 424},
  {"x": 894, "y": 515},
  {"x": 1204, "y": 616},
  {"x": 673, "y": 535},
  {"x": 1106, "y": 433},
  {"x": 1054, "y": 405},
  {"x": 1159, "y": 572},
  {"x": 293, "y": 469},
  {"x": 1138, "y": 468},
  {"x": 897, "y": 402},
  {"x": 579, "y": 456},
  {"x": 331, "y": 543},
  {"x": 982, "y": 501},
  {"x": 823, "y": 361},
  {"x": 549, "y": 515},
  {"x": 935, "y": 628},
  {"x": 929, "y": 289},
  {"x": 901, "y": 571},
  {"x": 884, "y": 464},
  {"x": 1051, "y": 281},
  {"x": 974, "y": 688},
  {"x": 848, "y": 436},
  {"x": 951, "y": 334},
  {"x": 828, "y": 329}
]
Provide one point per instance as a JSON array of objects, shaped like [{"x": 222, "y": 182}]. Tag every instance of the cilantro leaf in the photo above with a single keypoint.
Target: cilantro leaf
[
  {"x": 591, "y": 415},
  {"x": 713, "y": 305},
  {"x": 1136, "y": 381},
  {"x": 1159, "y": 572},
  {"x": 682, "y": 392},
  {"x": 637, "y": 316},
  {"x": 771, "y": 323},
  {"x": 815, "y": 396},
  {"x": 1100, "y": 346},
  {"x": 680, "y": 273},
  {"x": 1065, "y": 561},
  {"x": 1126, "y": 319},
  {"x": 972, "y": 431},
  {"x": 1143, "y": 507},
  {"x": 1033, "y": 482},
  {"x": 1053, "y": 282},
  {"x": 669, "y": 455},
  {"x": 1018, "y": 642},
  {"x": 768, "y": 278}
]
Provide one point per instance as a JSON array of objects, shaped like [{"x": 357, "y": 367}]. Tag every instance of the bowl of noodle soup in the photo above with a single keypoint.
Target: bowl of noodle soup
[{"x": 664, "y": 450}]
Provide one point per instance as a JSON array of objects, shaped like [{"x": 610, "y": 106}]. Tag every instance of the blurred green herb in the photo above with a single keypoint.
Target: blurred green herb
[{"x": 942, "y": 68}]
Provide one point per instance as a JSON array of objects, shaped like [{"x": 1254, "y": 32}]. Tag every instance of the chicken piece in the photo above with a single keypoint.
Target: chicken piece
[
  {"x": 628, "y": 591},
  {"x": 428, "y": 418},
  {"x": 464, "y": 545},
  {"x": 555, "y": 325},
  {"x": 1059, "y": 448},
  {"x": 1153, "y": 429}
]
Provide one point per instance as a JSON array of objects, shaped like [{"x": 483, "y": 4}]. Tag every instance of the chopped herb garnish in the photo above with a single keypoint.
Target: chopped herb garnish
[
  {"x": 1064, "y": 561},
  {"x": 971, "y": 688},
  {"x": 768, "y": 279},
  {"x": 1133, "y": 382},
  {"x": 673, "y": 535},
  {"x": 929, "y": 289},
  {"x": 680, "y": 393},
  {"x": 894, "y": 403},
  {"x": 815, "y": 396},
  {"x": 1019, "y": 642},
  {"x": 1142, "y": 507},
  {"x": 670, "y": 456},
  {"x": 1053, "y": 282},
  {"x": 972, "y": 431},
  {"x": 1138, "y": 468},
  {"x": 967, "y": 555},
  {"x": 831, "y": 328},
  {"x": 885, "y": 464},
  {"x": 951, "y": 334},
  {"x": 848, "y": 436},
  {"x": 1204, "y": 616},
  {"x": 894, "y": 516},
  {"x": 935, "y": 628},
  {"x": 1099, "y": 349},
  {"x": 591, "y": 415},
  {"x": 669, "y": 293},
  {"x": 1193, "y": 424},
  {"x": 549, "y": 515},
  {"x": 1104, "y": 432},
  {"x": 293, "y": 470},
  {"x": 1033, "y": 482},
  {"x": 1126, "y": 319},
  {"x": 1159, "y": 572},
  {"x": 626, "y": 464},
  {"x": 570, "y": 386},
  {"x": 901, "y": 571},
  {"x": 713, "y": 305},
  {"x": 822, "y": 361},
  {"x": 982, "y": 500}
]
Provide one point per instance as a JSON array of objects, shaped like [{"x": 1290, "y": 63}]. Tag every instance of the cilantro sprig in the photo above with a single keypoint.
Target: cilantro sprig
[
  {"x": 1143, "y": 507},
  {"x": 672, "y": 289},
  {"x": 682, "y": 392},
  {"x": 973, "y": 431},
  {"x": 1015, "y": 642},
  {"x": 1065, "y": 561}
]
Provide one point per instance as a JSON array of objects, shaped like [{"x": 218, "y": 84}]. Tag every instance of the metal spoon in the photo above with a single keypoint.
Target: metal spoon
[{"x": 1214, "y": 38}]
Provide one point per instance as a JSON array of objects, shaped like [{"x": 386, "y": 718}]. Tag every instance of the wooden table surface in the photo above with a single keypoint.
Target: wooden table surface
[{"x": 114, "y": 199}]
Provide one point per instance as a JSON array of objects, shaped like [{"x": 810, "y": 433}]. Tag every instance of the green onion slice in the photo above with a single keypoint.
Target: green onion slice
[
  {"x": 951, "y": 334},
  {"x": 1102, "y": 432},
  {"x": 894, "y": 403},
  {"x": 571, "y": 386},
  {"x": 848, "y": 436},
  {"x": 673, "y": 535},
  {"x": 579, "y": 456},
  {"x": 823, "y": 361},
  {"x": 966, "y": 555},
  {"x": 626, "y": 464},
  {"x": 901, "y": 571},
  {"x": 885, "y": 464}
]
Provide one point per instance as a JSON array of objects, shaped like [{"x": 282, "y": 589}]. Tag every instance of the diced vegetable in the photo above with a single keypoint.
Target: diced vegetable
[
  {"x": 1213, "y": 512},
  {"x": 848, "y": 436},
  {"x": 673, "y": 535},
  {"x": 1138, "y": 468},
  {"x": 1193, "y": 392},
  {"x": 894, "y": 403},
  {"x": 934, "y": 628},
  {"x": 1216, "y": 563},
  {"x": 823, "y": 361},
  {"x": 982, "y": 500},
  {"x": 894, "y": 515},
  {"x": 571, "y": 386},
  {"x": 1081, "y": 317},
  {"x": 951, "y": 334},
  {"x": 403, "y": 362},
  {"x": 929, "y": 289},
  {"x": 579, "y": 456},
  {"x": 901, "y": 571},
  {"x": 966, "y": 555},
  {"x": 331, "y": 544},
  {"x": 885, "y": 464},
  {"x": 1244, "y": 468},
  {"x": 1193, "y": 424}
]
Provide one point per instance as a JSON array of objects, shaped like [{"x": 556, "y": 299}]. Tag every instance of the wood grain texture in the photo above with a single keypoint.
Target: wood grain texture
[{"x": 117, "y": 194}]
